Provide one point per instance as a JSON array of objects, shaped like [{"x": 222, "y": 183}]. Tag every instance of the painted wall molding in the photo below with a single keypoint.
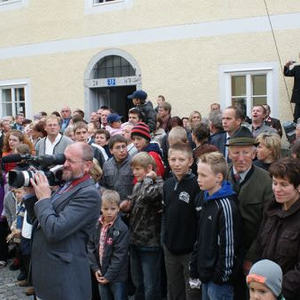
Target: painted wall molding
[{"x": 151, "y": 35}]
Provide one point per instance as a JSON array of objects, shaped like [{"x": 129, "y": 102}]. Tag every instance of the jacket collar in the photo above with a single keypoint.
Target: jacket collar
[
  {"x": 126, "y": 159},
  {"x": 67, "y": 195},
  {"x": 225, "y": 191},
  {"x": 275, "y": 209}
]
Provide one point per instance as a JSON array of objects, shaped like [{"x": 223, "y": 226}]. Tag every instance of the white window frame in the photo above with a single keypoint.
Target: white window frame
[
  {"x": 25, "y": 83},
  {"x": 91, "y": 7},
  {"x": 271, "y": 69},
  {"x": 12, "y": 4}
]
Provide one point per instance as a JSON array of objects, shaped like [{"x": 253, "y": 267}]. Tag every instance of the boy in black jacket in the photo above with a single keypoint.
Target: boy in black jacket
[
  {"x": 108, "y": 250},
  {"x": 145, "y": 206},
  {"x": 179, "y": 221},
  {"x": 215, "y": 257}
]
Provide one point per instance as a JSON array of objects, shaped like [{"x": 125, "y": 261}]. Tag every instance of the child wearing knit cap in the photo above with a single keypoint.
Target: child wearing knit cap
[
  {"x": 140, "y": 135},
  {"x": 265, "y": 280}
]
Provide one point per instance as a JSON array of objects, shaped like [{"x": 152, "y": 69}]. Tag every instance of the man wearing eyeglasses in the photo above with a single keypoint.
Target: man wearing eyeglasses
[
  {"x": 254, "y": 190},
  {"x": 117, "y": 173},
  {"x": 62, "y": 222}
]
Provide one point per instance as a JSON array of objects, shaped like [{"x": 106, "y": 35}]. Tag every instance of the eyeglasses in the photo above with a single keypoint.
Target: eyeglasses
[
  {"x": 71, "y": 161},
  {"x": 121, "y": 147}
]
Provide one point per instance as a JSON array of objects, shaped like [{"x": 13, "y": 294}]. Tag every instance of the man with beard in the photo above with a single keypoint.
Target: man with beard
[{"x": 62, "y": 222}]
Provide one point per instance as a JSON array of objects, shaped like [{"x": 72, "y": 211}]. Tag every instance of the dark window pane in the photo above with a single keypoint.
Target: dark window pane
[
  {"x": 113, "y": 66},
  {"x": 259, "y": 84},
  {"x": 259, "y": 101},
  {"x": 238, "y": 85},
  {"x": 6, "y": 109},
  {"x": 6, "y": 95},
  {"x": 19, "y": 94}
]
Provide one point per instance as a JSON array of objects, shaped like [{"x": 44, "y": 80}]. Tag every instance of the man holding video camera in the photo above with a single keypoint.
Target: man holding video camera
[{"x": 62, "y": 223}]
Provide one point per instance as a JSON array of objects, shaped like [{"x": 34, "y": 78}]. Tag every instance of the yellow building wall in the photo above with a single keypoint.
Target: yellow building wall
[
  {"x": 186, "y": 72},
  {"x": 55, "y": 20}
]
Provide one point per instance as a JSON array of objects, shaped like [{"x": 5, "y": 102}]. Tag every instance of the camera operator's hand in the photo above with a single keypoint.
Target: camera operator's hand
[{"x": 41, "y": 186}]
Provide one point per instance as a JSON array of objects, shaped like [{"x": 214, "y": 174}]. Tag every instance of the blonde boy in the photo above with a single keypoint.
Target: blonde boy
[
  {"x": 179, "y": 220},
  {"x": 218, "y": 240},
  {"x": 145, "y": 226}
]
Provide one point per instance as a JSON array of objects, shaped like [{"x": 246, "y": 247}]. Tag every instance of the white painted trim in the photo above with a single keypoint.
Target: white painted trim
[
  {"x": 88, "y": 74},
  {"x": 112, "y": 82},
  {"x": 96, "y": 58},
  {"x": 169, "y": 33},
  {"x": 20, "y": 83},
  {"x": 272, "y": 70},
  {"x": 12, "y": 4},
  {"x": 95, "y": 8}
]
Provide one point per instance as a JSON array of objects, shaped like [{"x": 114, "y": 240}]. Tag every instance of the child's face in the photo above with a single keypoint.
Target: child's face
[
  {"x": 13, "y": 142},
  {"x": 109, "y": 211},
  {"x": 133, "y": 118},
  {"x": 100, "y": 139},
  {"x": 207, "y": 179},
  {"x": 119, "y": 151},
  {"x": 139, "y": 142},
  {"x": 179, "y": 162},
  {"x": 116, "y": 124},
  {"x": 81, "y": 135},
  {"x": 19, "y": 193},
  {"x": 140, "y": 173},
  {"x": 136, "y": 101},
  {"x": 259, "y": 291}
]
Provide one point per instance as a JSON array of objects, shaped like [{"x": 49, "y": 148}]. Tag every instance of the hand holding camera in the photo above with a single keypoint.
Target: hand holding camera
[{"x": 41, "y": 186}]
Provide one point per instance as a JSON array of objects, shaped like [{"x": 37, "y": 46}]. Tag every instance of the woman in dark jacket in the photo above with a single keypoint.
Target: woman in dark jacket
[
  {"x": 279, "y": 237},
  {"x": 268, "y": 149}
]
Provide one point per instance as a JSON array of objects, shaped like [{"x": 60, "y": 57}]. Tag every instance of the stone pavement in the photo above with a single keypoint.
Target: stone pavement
[{"x": 8, "y": 288}]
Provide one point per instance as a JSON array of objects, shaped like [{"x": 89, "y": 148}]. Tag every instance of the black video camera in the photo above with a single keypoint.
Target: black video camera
[{"x": 50, "y": 165}]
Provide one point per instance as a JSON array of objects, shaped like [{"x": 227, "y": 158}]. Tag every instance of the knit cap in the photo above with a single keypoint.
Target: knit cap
[
  {"x": 141, "y": 129},
  {"x": 268, "y": 273}
]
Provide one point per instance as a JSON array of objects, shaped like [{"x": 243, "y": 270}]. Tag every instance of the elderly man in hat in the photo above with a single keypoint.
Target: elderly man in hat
[
  {"x": 253, "y": 186},
  {"x": 145, "y": 107}
]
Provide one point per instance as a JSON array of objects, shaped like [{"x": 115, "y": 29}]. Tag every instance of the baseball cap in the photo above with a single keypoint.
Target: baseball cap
[
  {"x": 139, "y": 94},
  {"x": 113, "y": 117}
]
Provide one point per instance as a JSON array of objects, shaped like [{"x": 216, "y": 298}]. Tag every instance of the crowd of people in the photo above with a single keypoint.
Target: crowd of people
[{"x": 155, "y": 206}]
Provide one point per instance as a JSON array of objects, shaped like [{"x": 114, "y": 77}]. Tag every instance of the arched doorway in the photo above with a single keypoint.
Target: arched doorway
[{"x": 110, "y": 77}]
